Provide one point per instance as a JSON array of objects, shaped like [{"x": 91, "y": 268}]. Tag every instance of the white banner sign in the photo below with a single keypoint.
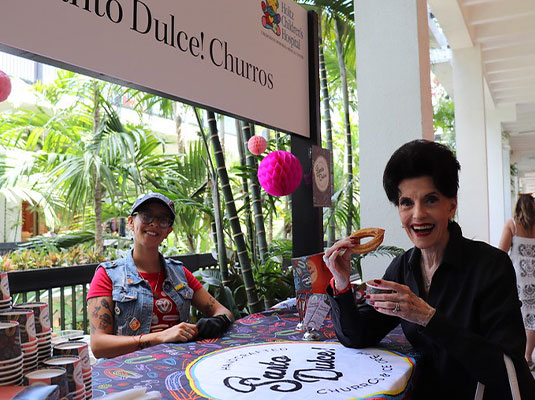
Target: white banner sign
[
  {"x": 247, "y": 58},
  {"x": 300, "y": 370}
]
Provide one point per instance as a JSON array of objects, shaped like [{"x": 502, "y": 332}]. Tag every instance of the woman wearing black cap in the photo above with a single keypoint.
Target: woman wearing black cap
[{"x": 143, "y": 299}]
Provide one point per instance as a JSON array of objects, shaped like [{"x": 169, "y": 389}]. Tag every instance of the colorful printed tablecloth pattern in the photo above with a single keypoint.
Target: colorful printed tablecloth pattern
[{"x": 163, "y": 367}]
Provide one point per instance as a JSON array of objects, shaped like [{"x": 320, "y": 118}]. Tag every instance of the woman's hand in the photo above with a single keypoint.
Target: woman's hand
[
  {"x": 338, "y": 260},
  {"x": 182, "y": 332},
  {"x": 213, "y": 327},
  {"x": 402, "y": 303}
]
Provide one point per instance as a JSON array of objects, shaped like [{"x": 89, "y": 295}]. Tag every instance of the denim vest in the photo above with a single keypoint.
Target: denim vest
[{"x": 132, "y": 295}]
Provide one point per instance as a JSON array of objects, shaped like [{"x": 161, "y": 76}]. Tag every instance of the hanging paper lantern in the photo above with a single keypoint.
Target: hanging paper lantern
[
  {"x": 5, "y": 86},
  {"x": 257, "y": 145},
  {"x": 280, "y": 173}
]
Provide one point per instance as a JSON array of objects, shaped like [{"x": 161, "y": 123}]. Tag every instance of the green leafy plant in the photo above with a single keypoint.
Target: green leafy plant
[
  {"x": 390, "y": 251},
  {"x": 46, "y": 254},
  {"x": 274, "y": 277},
  {"x": 233, "y": 296}
]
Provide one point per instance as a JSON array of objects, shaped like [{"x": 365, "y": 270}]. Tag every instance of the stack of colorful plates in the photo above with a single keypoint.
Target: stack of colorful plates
[
  {"x": 42, "y": 329},
  {"x": 88, "y": 382},
  {"x": 80, "y": 349},
  {"x": 5, "y": 297},
  {"x": 10, "y": 354},
  {"x": 73, "y": 365},
  {"x": 28, "y": 336},
  {"x": 5, "y": 304}
]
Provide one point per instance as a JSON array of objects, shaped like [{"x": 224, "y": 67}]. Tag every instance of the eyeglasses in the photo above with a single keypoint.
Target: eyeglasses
[{"x": 146, "y": 218}]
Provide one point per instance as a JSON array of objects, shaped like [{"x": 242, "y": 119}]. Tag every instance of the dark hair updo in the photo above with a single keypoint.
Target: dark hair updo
[{"x": 420, "y": 158}]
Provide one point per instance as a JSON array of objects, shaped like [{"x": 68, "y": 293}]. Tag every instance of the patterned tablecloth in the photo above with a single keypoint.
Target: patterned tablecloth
[{"x": 164, "y": 367}]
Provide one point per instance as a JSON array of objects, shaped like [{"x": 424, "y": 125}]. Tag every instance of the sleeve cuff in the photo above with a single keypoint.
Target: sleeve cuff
[{"x": 337, "y": 292}]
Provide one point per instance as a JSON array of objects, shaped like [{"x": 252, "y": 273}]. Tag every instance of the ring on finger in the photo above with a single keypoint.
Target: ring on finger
[{"x": 396, "y": 308}]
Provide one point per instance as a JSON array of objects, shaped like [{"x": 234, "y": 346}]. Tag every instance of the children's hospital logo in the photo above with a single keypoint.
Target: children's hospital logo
[
  {"x": 285, "y": 21},
  {"x": 271, "y": 19}
]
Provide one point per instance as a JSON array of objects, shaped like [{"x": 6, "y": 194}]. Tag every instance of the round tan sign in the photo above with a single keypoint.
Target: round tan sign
[{"x": 321, "y": 173}]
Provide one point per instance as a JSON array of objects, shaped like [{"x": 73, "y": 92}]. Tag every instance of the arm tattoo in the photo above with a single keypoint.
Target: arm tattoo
[
  {"x": 100, "y": 314},
  {"x": 106, "y": 305},
  {"x": 210, "y": 306},
  {"x": 92, "y": 327},
  {"x": 104, "y": 321}
]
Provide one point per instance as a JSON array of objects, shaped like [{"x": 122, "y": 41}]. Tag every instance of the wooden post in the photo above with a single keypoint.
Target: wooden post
[{"x": 307, "y": 220}]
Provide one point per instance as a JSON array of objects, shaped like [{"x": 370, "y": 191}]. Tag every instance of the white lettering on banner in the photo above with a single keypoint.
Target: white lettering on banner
[{"x": 307, "y": 370}]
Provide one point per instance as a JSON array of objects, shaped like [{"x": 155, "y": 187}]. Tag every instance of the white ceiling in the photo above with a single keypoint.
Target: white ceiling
[{"x": 505, "y": 32}]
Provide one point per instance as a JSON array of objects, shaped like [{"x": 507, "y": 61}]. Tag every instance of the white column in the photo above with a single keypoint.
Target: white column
[
  {"x": 495, "y": 177},
  {"x": 497, "y": 167},
  {"x": 473, "y": 205},
  {"x": 507, "y": 188},
  {"x": 393, "y": 82},
  {"x": 10, "y": 220}
]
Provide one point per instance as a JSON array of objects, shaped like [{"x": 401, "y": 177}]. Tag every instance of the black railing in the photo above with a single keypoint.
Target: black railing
[
  {"x": 66, "y": 287},
  {"x": 7, "y": 247}
]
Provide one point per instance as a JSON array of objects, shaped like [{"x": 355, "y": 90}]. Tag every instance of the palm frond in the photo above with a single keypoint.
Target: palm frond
[{"x": 342, "y": 8}]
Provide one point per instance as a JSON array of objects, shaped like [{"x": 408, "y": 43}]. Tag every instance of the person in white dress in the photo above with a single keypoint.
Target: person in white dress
[{"x": 518, "y": 238}]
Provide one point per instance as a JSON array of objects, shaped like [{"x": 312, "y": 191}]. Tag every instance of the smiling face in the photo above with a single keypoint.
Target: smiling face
[
  {"x": 150, "y": 235},
  {"x": 424, "y": 213},
  {"x": 312, "y": 271}
]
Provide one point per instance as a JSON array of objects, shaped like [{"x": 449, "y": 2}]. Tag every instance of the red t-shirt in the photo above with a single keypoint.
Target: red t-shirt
[{"x": 164, "y": 312}]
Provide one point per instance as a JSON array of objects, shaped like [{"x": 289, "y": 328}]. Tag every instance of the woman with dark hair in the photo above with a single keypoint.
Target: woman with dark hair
[
  {"x": 144, "y": 299},
  {"x": 519, "y": 236},
  {"x": 455, "y": 298}
]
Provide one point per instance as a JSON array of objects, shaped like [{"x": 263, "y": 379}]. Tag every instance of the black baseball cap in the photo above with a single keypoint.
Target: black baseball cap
[{"x": 142, "y": 199}]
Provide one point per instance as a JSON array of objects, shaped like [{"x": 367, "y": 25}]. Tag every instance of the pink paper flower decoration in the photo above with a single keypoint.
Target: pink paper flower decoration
[
  {"x": 257, "y": 145},
  {"x": 280, "y": 173},
  {"x": 5, "y": 86}
]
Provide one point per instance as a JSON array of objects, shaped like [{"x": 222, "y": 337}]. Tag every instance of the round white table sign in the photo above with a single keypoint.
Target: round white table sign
[{"x": 299, "y": 370}]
